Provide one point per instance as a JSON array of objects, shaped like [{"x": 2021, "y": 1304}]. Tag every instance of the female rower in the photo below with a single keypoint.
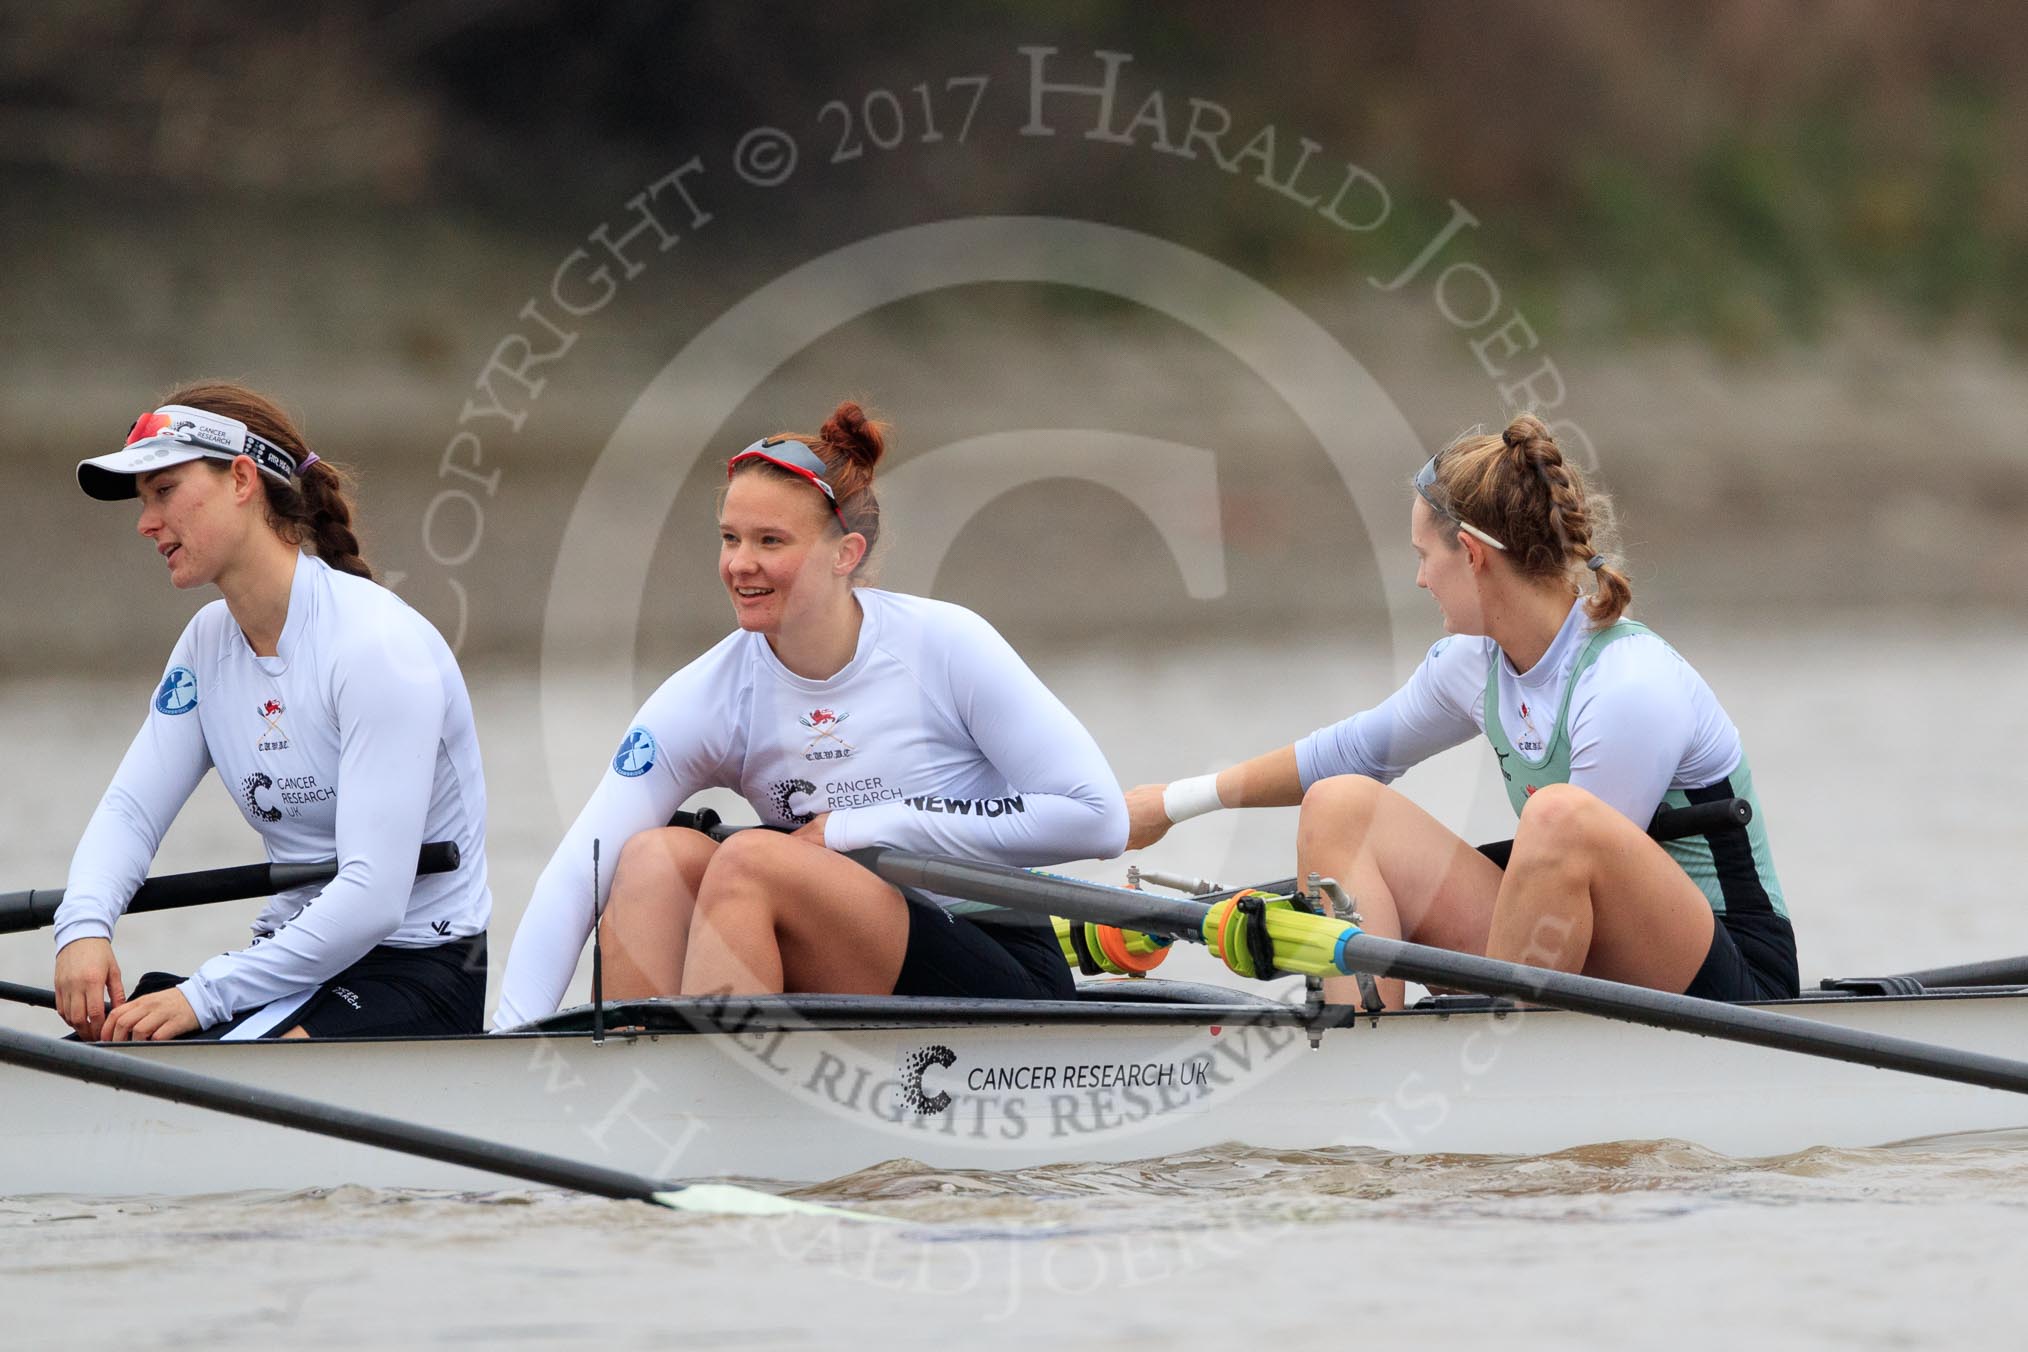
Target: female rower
[
  {"x": 855, "y": 716},
  {"x": 337, "y": 719},
  {"x": 1596, "y": 722}
]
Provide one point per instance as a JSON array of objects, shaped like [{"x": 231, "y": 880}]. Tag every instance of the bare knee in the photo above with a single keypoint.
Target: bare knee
[
  {"x": 670, "y": 846},
  {"x": 1342, "y": 799},
  {"x": 745, "y": 862},
  {"x": 663, "y": 861},
  {"x": 1561, "y": 818}
]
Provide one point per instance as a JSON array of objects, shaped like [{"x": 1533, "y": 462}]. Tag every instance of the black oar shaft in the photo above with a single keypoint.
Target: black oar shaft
[
  {"x": 35, "y": 908},
  {"x": 1679, "y": 1013},
  {"x": 1183, "y": 918},
  {"x": 1992, "y": 972},
  {"x": 128, "y": 1070},
  {"x": 27, "y": 995},
  {"x": 1018, "y": 889}
]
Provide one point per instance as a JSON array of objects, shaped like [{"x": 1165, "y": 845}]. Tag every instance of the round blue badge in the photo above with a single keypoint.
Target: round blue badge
[
  {"x": 178, "y": 692},
  {"x": 636, "y": 755}
]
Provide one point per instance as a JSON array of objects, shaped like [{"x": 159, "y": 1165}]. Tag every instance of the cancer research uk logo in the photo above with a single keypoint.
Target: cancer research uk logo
[
  {"x": 178, "y": 692},
  {"x": 636, "y": 755}
]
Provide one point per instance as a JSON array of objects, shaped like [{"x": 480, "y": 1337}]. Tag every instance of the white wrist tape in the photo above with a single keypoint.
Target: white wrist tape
[{"x": 1187, "y": 798}]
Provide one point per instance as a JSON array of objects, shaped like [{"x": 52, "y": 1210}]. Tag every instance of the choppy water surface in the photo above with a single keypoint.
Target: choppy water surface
[
  {"x": 1652, "y": 1244},
  {"x": 1894, "y": 801}
]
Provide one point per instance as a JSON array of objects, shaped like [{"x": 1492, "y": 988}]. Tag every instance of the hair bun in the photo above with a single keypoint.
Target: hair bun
[
  {"x": 853, "y": 435},
  {"x": 1525, "y": 430}
]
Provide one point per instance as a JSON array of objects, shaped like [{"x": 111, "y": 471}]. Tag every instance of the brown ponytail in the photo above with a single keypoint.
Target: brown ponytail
[
  {"x": 1518, "y": 488},
  {"x": 850, "y": 444},
  {"x": 314, "y": 508}
]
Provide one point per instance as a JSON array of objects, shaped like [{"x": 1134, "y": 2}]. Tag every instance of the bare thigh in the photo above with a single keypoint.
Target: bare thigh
[
  {"x": 779, "y": 912},
  {"x": 1441, "y": 890},
  {"x": 648, "y": 910},
  {"x": 1586, "y": 881}
]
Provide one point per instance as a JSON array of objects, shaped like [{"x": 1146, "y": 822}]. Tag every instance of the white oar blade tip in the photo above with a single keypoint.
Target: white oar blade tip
[{"x": 729, "y": 1199}]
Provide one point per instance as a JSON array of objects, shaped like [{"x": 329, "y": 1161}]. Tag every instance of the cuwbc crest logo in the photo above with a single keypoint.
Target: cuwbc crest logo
[
  {"x": 178, "y": 691},
  {"x": 274, "y": 737},
  {"x": 824, "y": 723}
]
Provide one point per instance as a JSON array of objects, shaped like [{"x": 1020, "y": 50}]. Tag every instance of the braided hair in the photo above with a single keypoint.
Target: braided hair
[
  {"x": 315, "y": 507},
  {"x": 1519, "y": 488}
]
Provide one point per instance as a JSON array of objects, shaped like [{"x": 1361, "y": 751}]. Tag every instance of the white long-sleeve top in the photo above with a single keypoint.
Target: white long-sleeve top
[
  {"x": 1641, "y": 720},
  {"x": 934, "y": 737},
  {"x": 354, "y": 742}
]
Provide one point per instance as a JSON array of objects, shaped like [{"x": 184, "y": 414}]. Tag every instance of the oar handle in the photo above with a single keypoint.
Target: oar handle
[
  {"x": 36, "y": 907},
  {"x": 38, "y": 996},
  {"x": 705, "y": 820},
  {"x": 1700, "y": 819}
]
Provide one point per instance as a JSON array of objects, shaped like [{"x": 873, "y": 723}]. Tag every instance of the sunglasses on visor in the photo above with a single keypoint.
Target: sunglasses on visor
[{"x": 794, "y": 456}]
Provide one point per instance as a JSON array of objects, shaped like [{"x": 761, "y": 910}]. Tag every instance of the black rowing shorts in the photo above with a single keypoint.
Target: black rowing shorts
[
  {"x": 1752, "y": 954},
  {"x": 952, "y": 955},
  {"x": 391, "y": 992},
  {"x": 1752, "y": 957}
]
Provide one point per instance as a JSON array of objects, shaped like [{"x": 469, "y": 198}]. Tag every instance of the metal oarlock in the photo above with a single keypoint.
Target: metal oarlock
[
  {"x": 1342, "y": 904},
  {"x": 1178, "y": 882},
  {"x": 1346, "y": 909},
  {"x": 1308, "y": 898}
]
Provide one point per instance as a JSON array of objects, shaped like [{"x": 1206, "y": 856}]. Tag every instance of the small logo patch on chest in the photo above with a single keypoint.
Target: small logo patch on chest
[
  {"x": 827, "y": 744},
  {"x": 273, "y": 736}
]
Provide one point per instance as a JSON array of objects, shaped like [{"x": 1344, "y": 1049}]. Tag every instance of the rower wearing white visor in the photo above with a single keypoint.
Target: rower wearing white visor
[
  {"x": 1596, "y": 723},
  {"x": 847, "y": 716},
  {"x": 337, "y": 720}
]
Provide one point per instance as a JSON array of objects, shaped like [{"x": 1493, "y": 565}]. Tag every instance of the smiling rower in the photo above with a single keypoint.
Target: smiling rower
[
  {"x": 336, "y": 718},
  {"x": 1595, "y": 723},
  {"x": 853, "y": 717}
]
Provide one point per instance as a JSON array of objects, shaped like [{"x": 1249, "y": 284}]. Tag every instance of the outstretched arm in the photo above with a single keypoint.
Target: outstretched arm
[
  {"x": 1432, "y": 711},
  {"x": 1064, "y": 802},
  {"x": 1268, "y": 780}
]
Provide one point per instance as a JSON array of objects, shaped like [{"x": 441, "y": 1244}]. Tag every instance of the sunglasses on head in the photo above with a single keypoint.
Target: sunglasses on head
[
  {"x": 1426, "y": 486},
  {"x": 794, "y": 456}
]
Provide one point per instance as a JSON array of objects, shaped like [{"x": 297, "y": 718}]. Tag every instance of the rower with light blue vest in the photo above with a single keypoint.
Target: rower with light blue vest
[{"x": 1595, "y": 723}]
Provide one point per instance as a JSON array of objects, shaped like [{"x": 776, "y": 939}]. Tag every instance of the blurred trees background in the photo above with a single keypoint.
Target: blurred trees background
[
  {"x": 1733, "y": 169},
  {"x": 1777, "y": 247}
]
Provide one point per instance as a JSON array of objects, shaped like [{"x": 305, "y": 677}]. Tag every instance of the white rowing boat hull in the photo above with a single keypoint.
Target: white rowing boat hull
[{"x": 784, "y": 1099}]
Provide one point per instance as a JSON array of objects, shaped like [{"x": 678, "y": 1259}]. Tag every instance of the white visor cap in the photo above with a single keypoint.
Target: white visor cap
[{"x": 173, "y": 435}]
